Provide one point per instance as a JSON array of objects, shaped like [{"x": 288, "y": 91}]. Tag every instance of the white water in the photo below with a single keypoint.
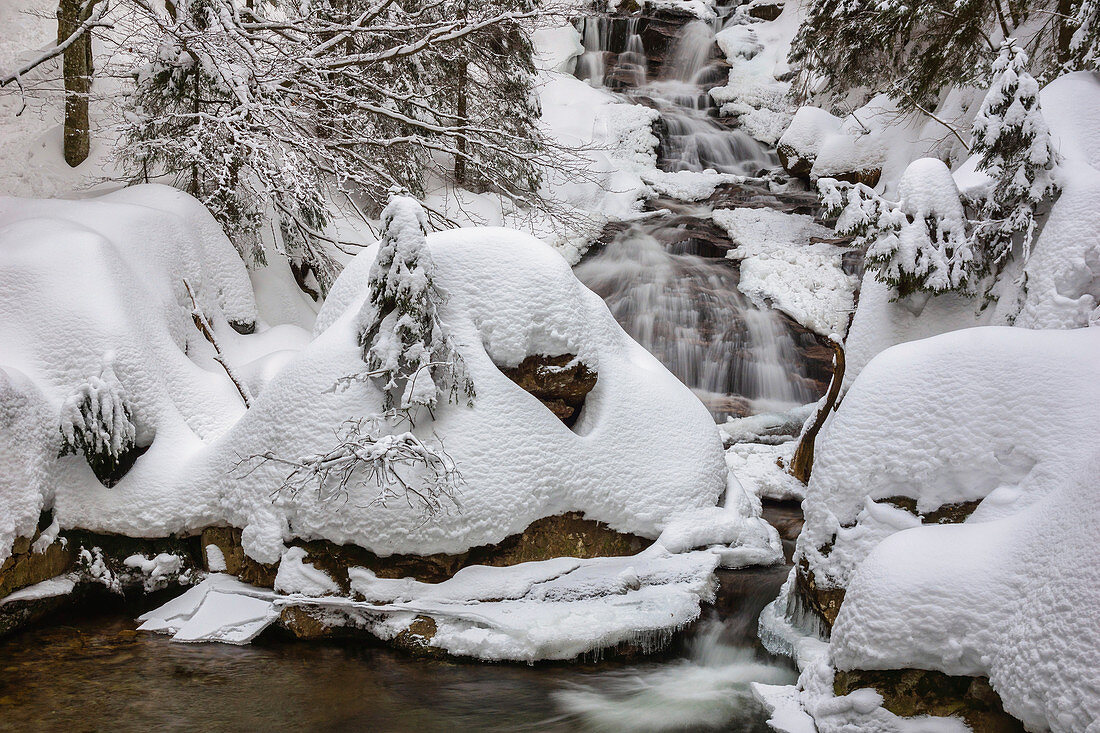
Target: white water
[
  {"x": 707, "y": 690},
  {"x": 684, "y": 308}
]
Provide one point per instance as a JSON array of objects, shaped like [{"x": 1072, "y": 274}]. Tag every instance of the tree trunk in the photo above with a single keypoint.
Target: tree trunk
[
  {"x": 803, "y": 460},
  {"x": 461, "y": 112},
  {"x": 77, "y": 70}
]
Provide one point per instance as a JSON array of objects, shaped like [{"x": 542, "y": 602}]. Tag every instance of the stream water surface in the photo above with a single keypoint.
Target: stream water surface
[{"x": 96, "y": 673}]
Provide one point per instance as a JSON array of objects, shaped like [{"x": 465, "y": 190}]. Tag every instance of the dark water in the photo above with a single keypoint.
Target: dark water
[{"x": 95, "y": 673}]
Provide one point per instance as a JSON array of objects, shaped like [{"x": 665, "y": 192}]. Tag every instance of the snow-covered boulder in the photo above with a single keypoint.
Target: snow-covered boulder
[
  {"x": 94, "y": 304},
  {"x": 820, "y": 145},
  {"x": 642, "y": 449},
  {"x": 962, "y": 418},
  {"x": 993, "y": 431}
]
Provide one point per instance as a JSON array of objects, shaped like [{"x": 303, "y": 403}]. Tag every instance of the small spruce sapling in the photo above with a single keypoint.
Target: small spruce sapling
[
  {"x": 1016, "y": 151},
  {"x": 404, "y": 343},
  {"x": 918, "y": 244},
  {"x": 96, "y": 420}
]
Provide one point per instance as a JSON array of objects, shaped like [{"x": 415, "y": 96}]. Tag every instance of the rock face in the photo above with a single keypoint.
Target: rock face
[
  {"x": 825, "y": 602},
  {"x": 559, "y": 382},
  {"x": 915, "y": 692},
  {"x": 658, "y": 29},
  {"x": 26, "y": 567},
  {"x": 765, "y": 10},
  {"x": 565, "y": 535}
]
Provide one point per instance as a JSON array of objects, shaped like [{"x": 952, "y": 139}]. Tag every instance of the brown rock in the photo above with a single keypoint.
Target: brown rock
[
  {"x": 306, "y": 623},
  {"x": 765, "y": 10},
  {"x": 914, "y": 692},
  {"x": 822, "y": 602},
  {"x": 559, "y": 382},
  {"x": 955, "y": 513},
  {"x": 418, "y": 636},
  {"x": 25, "y": 567},
  {"x": 794, "y": 163},
  {"x": 867, "y": 178},
  {"x": 228, "y": 540}
]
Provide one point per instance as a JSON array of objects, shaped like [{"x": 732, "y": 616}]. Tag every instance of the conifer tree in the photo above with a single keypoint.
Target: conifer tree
[
  {"x": 1085, "y": 42},
  {"x": 918, "y": 244},
  {"x": 1017, "y": 152},
  {"x": 96, "y": 420},
  {"x": 404, "y": 343}
]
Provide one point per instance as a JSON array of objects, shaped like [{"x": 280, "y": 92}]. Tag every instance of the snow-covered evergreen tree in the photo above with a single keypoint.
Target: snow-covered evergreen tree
[
  {"x": 914, "y": 50},
  {"x": 918, "y": 244},
  {"x": 1016, "y": 151},
  {"x": 96, "y": 420},
  {"x": 1085, "y": 42},
  {"x": 860, "y": 212},
  {"x": 404, "y": 343}
]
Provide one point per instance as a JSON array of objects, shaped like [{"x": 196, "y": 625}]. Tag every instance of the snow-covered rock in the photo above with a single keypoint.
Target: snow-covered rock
[
  {"x": 99, "y": 284},
  {"x": 782, "y": 268},
  {"x": 1001, "y": 420},
  {"x": 507, "y": 296}
]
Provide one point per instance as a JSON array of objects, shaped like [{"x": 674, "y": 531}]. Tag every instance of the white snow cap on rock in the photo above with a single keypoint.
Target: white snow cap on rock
[
  {"x": 1007, "y": 418},
  {"x": 642, "y": 449}
]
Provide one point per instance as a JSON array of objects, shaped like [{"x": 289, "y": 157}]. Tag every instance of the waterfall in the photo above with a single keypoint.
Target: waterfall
[{"x": 683, "y": 307}]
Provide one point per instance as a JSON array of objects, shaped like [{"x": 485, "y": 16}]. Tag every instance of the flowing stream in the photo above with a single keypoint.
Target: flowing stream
[{"x": 663, "y": 278}]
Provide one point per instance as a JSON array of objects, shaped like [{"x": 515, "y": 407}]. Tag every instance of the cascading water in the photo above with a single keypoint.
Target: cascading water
[{"x": 683, "y": 307}]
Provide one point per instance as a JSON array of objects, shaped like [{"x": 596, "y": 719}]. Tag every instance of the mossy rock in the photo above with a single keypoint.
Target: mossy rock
[{"x": 914, "y": 692}]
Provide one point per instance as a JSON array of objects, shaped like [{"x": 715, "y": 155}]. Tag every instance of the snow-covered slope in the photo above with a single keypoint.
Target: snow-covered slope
[{"x": 1058, "y": 287}]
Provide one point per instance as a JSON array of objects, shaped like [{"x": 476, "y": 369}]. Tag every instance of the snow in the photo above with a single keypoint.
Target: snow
[
  {"x": 297, "y": 576},
  {"x": 966, "y": 416},
  {"x": 756, "y": 467},
  {"x": 757, "y": 54},
  {"x": 1059, "y": 287},
  {"x": 215, "y": 558},
  {"x": 808, "y": 131},
  {"x": 157, "y": 571},
  {"x": 780, "y": 267},
  {"x": 554, "y": 609},
  {"x": 506, "y": 296},
  {"x": 739, "y": 541},
  {"x": 50, "y": 588},
  {"x": 98, "y": 284},
  {"x": 221, "y": 608},
  {"x": 766, "y": 427}
]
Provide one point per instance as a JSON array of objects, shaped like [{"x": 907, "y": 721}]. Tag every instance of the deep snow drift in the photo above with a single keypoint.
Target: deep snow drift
[{"x": 1009, "y": 593}]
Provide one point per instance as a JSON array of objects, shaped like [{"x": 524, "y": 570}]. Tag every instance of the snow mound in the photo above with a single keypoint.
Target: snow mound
[
  {"x": 962, "y": 417},
  {"x": 507, "y": 296},
  {"x": 99, "y": 287},
  {"x": 1004, "y": 416},
  {"x": 782, "y": 269}
]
